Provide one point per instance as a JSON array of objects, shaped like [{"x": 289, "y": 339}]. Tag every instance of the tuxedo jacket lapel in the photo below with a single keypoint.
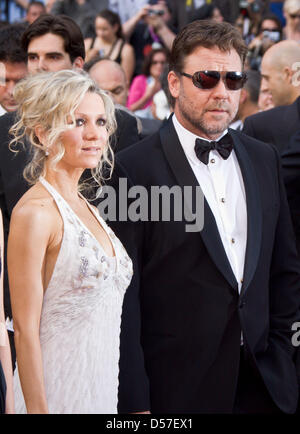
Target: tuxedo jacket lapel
[
  {"x": 254, "y": 210},
  {"x": 185, "y": 177}
]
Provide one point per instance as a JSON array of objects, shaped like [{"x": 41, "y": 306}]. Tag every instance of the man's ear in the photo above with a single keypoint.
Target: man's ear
[
  {"x": 288, "y": 74},
  {"x": 243, "y": 96},
  {"x": 174, "y": 84},
  {"x": 78, "y": 63}
]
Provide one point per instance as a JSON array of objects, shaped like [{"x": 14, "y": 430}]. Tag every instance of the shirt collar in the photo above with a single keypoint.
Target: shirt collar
[
  {"x": 187, "y": 140},
  {"x": 2, "y": 110}
]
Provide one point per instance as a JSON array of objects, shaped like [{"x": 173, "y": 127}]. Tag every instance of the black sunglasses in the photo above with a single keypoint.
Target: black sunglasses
[{"x": 209, "y": 79}]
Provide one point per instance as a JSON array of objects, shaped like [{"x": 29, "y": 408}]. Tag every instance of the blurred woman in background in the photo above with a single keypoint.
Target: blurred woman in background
[
  {"x": 147, "y": 84},
  {"x": 109, "y": 42},
  {"x": 269, "y": 33}
]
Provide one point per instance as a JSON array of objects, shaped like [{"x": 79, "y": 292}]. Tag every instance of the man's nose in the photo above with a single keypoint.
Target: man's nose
[
  {"x": 42, "y": 64},
  {"x": 10, "y": 85},
  {"x": 220, "y": 90}
]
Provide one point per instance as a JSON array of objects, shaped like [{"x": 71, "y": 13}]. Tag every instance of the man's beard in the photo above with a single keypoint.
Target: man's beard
[{"x": 209, "y": 128}]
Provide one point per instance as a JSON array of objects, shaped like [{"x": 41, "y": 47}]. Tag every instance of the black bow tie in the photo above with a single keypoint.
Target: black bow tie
[{"x": 223, "y": 146}]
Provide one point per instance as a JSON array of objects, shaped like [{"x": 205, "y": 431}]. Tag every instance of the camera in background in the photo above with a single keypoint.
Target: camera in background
[{"x": 159, "y": 12}]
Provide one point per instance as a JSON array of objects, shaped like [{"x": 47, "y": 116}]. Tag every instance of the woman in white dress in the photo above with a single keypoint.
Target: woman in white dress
[{"x": 67, "y": 271}]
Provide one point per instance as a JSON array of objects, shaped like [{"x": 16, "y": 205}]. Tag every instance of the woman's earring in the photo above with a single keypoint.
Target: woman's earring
[{"x": 46, "y": 152}]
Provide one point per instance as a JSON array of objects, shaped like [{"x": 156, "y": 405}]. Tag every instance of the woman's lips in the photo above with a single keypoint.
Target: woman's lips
[{"x": 91, "y": 150}]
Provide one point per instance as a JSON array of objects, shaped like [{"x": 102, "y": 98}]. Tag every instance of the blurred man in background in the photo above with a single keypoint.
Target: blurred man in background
[
  {"x": 34, "y": 10},
  {"x": 13, "y": 65},
  {"x": 248, "y": 104},
  {"x": 282, "y": 78}
]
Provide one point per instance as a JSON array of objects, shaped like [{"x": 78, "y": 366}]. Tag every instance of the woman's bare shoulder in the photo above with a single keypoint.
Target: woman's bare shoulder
[{"x": 36, "y": 206}]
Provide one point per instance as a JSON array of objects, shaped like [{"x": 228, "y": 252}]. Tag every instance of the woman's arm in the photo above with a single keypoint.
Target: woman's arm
[
  {"x": 91, "y": 48},
  {"x": 87, "y": 43},
  {"x": 161, "y": 29},
  {"x": 23, "y": 3},
  {"x": 5, "y": 354},
  {"x": 129, "y": 26},
  {"x": 128, "y": 61},
  {"x": 29, "y": 237}
]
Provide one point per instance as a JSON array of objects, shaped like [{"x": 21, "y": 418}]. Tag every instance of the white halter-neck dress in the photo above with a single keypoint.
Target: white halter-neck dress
[{"x": 80, "y": 320}]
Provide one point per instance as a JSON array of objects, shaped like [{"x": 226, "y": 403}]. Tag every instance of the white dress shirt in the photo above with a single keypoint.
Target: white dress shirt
[
  {"x": 223, "y": 187},
  {"x": 2, "y": 110}
]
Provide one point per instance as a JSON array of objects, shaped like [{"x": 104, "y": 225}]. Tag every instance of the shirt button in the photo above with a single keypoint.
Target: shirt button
[
  {"x": 232, "y": 240},
  {"x": 212, "y": 160},
  {"x": 223, "y": 200}
]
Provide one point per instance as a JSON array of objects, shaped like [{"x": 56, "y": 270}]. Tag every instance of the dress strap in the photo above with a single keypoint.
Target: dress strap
[
  {"x": 59, "y": 200},
  {"x": 112, "y": 49},
  {"x": 93, "y": 42},
  {"x": 49, "y": 187}
]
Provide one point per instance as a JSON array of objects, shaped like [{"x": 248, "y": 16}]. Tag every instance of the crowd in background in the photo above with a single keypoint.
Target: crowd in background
[{"x": 138, "y": 35}]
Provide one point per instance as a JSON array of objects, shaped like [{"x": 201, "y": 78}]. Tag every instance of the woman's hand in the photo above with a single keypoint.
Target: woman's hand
[{"x": 152, "y": 89}]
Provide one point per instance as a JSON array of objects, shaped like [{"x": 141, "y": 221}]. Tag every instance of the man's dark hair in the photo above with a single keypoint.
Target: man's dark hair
[
  {"x": 10, "y": 43},
  {"x": 272, "y": 17},
  {"x": 252, "y": 85},
  {"x": 60, "y": 25},
  {"x": 208, "y": 34},
  {"x": 36, "y": 3}
]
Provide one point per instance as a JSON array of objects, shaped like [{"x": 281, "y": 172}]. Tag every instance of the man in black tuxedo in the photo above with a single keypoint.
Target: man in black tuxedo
[
  {"x": 276, "y": 126},
  {"x": 206, "y": 324}
]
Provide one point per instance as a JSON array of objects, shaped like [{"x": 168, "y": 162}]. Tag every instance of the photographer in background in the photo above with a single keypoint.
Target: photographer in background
[
  {"x": 270, "y": 32},
  {"x": 251, "y": 12},
  {"x": 149, "y": 29}
]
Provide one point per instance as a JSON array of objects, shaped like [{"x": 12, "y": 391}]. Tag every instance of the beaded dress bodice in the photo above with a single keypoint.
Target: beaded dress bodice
[{"x": 80, "y": 319}]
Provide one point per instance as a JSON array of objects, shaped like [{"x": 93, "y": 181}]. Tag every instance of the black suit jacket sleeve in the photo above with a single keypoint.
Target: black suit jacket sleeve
[
  {"x": 248, "y": 128},
  {"x": 133, "y": 381},
  {"x": 126, "y": 133},
  {"x": 290, "y": 160},
  {"x": 284, "y": 275}
]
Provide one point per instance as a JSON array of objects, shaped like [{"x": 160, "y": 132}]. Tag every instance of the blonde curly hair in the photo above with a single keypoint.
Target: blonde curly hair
[
  {"x": 291, "y": 6},
  {"x": 48, "y": 100}
]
